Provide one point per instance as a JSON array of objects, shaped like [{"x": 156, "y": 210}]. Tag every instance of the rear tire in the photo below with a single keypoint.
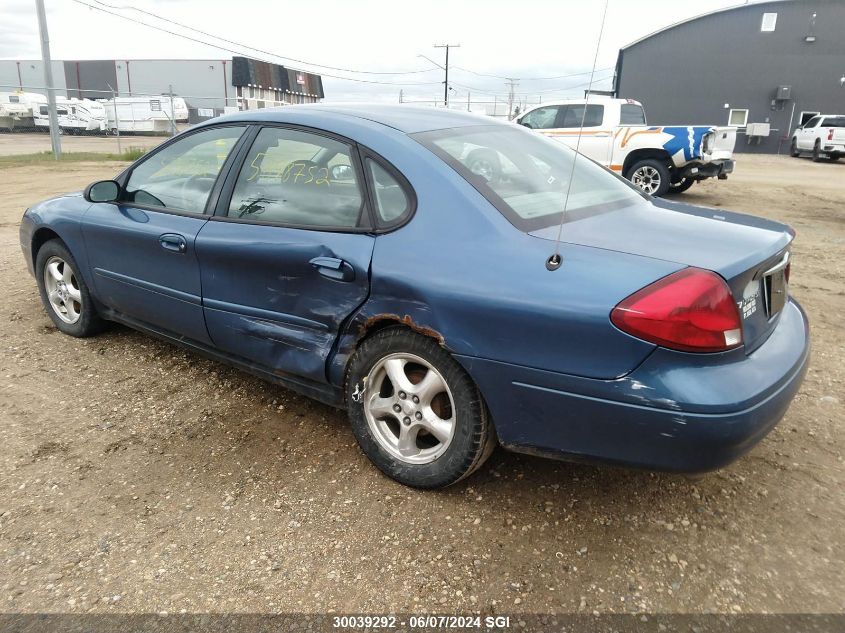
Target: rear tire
[
  {"x": 817, "y": 152},
  {"x": 793, "y": 149},
  {"x": 833, "y": 157},
  {"x": 63, "y": 291},
  {"x": 650, "y": 175},
  {"x": 442, "y": 431}
]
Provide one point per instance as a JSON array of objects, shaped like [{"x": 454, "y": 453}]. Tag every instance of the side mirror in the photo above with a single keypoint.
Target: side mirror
[
  {"x": 102, "y": 191},
  {"x": 342, "y": 172}
]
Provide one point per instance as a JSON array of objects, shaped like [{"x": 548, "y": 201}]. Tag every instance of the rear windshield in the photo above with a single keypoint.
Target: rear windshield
[
  {"x": 526, "y": 175},
  {"x": 834, "y": 121}
]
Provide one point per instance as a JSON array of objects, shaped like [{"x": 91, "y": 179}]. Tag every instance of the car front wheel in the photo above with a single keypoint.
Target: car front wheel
[
  {"x": 415, "y": 412},
  {"x": 63, "y": 291},
  {"x": 793, "y": 148}
]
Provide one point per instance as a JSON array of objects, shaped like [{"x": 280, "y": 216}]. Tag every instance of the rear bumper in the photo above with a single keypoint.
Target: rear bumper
[
  {"x": 834, "y": 148},
  {"x": 714, "y": 169},
  {"x": 676, "y": 412}
]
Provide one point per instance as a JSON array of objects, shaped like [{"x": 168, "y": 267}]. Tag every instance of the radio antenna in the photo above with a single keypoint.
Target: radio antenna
[{"x": 554, "y": 262}]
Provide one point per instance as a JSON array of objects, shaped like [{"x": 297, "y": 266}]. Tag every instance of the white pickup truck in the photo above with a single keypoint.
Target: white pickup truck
[
  {"x": 823, "y": 135},
  {"x": 658, "y": 159}
]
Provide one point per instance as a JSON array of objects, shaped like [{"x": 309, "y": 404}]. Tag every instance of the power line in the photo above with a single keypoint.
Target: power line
[
  {"x": 239, "y": 52},
  {"x": 529, "y": 78},
  {"x": 258, "y": 50}
]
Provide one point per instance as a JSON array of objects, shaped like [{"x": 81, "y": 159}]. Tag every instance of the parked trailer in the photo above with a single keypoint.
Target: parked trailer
[
  {"x": 16, "y": 109},
  {"x": 75, "y": 115},
  {"x": 139, "y": 114}
]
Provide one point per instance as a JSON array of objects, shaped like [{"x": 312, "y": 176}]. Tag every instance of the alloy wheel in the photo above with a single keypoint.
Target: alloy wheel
[
  {"x": 646, "y": 178},
  {"x": 409, "y": 408},
  {"x": 63, "y": 290}
]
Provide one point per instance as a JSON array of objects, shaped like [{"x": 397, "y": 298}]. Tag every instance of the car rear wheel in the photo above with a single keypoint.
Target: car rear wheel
[
  {"x": 682, "y": 185},
  {"x": 793, "y": 148},
  {"x": 415, "y": 412},
  {"x": 817, "y": 152},
  {"x": 650, "y": 175},
  {"x": 834, "y": 157},
  {"x": 63, "y": 291}
]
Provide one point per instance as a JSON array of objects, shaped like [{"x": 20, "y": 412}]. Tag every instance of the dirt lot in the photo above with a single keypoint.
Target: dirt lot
[{"x": 137, "y": 477}]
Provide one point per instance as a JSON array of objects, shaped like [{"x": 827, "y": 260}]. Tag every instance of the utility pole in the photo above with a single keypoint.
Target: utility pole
[
  {"x": 55, "y": 141},
  {"x": 172, "y": 113},
  {"x": 116, "y": 120},
  {"x": 512, "y": 83},
  {"x": 446, "y": 83}
]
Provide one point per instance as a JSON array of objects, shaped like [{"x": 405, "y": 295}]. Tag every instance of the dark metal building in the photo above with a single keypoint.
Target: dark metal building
[{"x": 764, "y": 68}]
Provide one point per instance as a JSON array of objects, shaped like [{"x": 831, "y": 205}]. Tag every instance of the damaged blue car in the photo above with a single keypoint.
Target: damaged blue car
[{"x": 452, "y": 281}]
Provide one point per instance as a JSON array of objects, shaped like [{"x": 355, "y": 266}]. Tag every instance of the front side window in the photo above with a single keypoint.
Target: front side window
[
  {"x": 299, "y": 179},
  {"x": 541, "y": 118},
  {"x": 632, "y": 114},
  {"x": 526, "y": 176},
  {"x": 813, "y": 122},
  {"x": 180, "y": 176},
  {"x": 575, "y": 114}
]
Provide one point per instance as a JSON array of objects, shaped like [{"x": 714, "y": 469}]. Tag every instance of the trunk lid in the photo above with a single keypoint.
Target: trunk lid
[{"x": 742, "y": 249}]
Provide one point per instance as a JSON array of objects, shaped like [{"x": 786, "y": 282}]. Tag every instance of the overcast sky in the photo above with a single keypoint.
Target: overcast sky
[{"x": 509, "y": 39}]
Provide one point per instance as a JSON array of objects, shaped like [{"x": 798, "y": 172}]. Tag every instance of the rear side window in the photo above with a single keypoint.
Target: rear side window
[
  {"x": 391, "y": 200},
  {"x": 298, "y": 178},
  {"x": 632, "y": 114},
  {"x": 575, "y": 113},
  {"x": 834, "y": 121}
]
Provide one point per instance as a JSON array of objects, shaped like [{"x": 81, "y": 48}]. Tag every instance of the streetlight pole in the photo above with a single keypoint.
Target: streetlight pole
[
  {"x": 55, "y": 141},
  {"x": 446, "y": 82}
]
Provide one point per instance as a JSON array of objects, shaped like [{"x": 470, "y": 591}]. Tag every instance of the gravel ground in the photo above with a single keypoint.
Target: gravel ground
[{"x": 135, "y": 477}]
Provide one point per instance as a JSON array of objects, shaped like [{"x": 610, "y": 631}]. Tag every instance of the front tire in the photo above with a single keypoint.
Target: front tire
[
  {"x": 415, "y": 412},
  {"x": 793, "y": 148},
  {"x": 63, "y": 291},
  {"x": 651, "y": 175}
]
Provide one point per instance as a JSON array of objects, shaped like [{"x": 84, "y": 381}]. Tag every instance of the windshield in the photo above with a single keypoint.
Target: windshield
[{"x": 526, "y": 175}]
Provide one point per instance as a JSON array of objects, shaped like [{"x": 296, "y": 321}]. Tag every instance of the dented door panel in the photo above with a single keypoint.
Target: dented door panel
[{"x": 278, "y": 296}]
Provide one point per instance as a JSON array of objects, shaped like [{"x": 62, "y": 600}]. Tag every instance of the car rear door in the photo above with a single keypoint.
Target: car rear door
[
  {"x": 142, "y": 249},
  {"x": 285, "y": 259}
]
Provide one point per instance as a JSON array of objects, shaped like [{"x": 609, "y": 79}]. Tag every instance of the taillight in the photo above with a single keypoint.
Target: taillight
[
  {"x": 691, "y": 310},
  {"x": 830, "y": 134}
]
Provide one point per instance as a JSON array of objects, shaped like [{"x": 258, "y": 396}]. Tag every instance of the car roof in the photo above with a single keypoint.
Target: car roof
[{"x": 405, "y": 118}]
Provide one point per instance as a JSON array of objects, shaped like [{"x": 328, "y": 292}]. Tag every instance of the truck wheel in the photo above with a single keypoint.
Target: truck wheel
[
  {"x": 793, "y": 148},
  {"x": 834, "y": 157},
  {"x": 485, "y": 163},
  {"x": 817, "y": 152},
  {"x": 650, "y": 175},
  {"x": 682, "y": 185}
]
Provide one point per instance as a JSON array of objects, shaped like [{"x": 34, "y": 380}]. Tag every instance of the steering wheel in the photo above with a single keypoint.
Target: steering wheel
[{"x": 190, "y": 183}]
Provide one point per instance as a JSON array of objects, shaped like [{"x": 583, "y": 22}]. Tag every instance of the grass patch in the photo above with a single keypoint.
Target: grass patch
[{"x": 128, "y": 155}]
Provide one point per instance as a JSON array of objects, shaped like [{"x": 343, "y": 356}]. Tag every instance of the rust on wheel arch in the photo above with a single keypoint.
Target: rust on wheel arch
[{"x": 407, "y": 321}]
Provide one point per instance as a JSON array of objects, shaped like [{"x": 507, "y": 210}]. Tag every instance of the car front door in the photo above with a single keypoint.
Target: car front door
[
  {"x": 142, "y": 249},
  {"x": 286, "y": 257}
]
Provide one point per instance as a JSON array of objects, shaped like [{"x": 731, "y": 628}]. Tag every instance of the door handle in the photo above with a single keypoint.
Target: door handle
[
  {"x": 333, "y": 268},
  {"x": 173, "y": 242}
]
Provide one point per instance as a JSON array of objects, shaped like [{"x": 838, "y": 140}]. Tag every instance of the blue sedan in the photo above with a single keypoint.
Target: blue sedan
[{"x": 452, "y": 281}]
